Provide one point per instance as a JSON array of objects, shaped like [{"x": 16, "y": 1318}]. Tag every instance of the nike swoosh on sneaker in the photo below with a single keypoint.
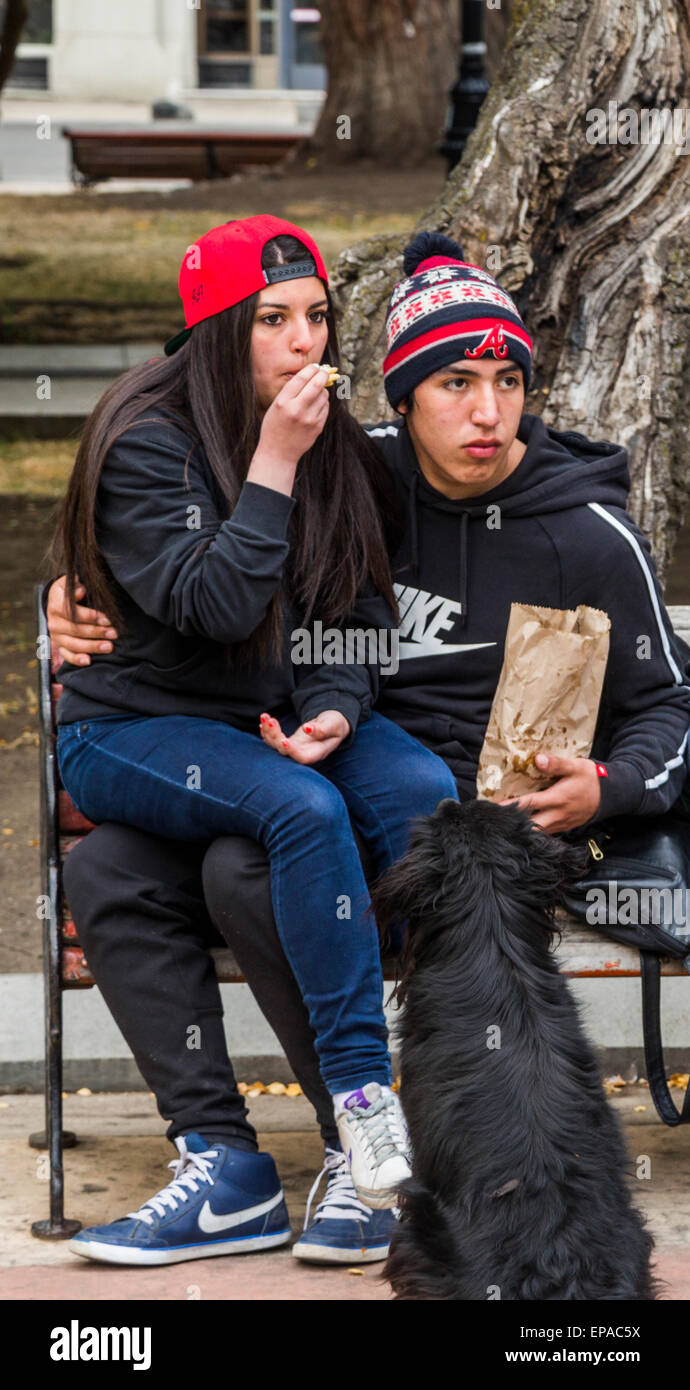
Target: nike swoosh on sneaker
[{"x": 211, "y": 1222}]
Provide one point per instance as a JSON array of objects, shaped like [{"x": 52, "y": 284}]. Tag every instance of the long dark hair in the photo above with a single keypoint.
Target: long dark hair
[{"x": 346, "y": 513}]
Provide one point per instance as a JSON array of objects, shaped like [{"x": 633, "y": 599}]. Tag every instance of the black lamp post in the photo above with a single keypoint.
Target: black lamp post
[{"x": 467, "y": 94}]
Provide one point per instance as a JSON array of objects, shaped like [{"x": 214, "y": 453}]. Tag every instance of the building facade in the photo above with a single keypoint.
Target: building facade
[{"x": 143, "y": 50}]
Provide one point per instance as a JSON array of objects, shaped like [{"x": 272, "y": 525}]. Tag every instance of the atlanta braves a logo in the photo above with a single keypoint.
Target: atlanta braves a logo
[{"x": 493, "y": 341}]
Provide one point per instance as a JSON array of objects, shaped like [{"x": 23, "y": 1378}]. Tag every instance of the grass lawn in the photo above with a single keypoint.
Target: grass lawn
[
  {"x": 35, "y": 467},
  {"x": 33, "y": 477},
  {"x": 103, "y": 267}
]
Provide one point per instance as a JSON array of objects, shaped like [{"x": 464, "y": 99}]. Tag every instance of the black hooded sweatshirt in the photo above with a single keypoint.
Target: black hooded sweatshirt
[
  {"x": 190, "y": 583},
  {"x": 555, "y": 533}
]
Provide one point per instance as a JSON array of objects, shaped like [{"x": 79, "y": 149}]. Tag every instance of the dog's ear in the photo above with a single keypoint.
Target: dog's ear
[{"x": 537, "y": 862}]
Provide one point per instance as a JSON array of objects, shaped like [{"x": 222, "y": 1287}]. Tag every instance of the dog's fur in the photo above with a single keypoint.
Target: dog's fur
[{"x": 518, "y": 1162}]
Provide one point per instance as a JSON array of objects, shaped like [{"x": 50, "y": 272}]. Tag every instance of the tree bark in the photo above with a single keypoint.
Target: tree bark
[
  {"x": 16, "y": 15},
  {"x": 592, "y": 239},
  {"x": 390, "y": 64}
]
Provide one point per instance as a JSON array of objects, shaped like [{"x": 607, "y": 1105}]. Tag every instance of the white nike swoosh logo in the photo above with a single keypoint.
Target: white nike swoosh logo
[
  {"x": 433, "y": 646},
  {"x": 211, "y": 1222}
]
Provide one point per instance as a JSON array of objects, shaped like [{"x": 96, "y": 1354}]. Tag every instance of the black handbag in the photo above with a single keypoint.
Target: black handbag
[{"x": 636, "y": 892}]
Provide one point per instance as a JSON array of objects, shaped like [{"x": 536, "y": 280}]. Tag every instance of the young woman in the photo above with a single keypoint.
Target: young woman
[{"x": 221, "y": 500}]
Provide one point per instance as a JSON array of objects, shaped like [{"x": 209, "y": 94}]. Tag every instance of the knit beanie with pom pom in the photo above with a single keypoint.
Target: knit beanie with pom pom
[{"x": 444, "y": 311}]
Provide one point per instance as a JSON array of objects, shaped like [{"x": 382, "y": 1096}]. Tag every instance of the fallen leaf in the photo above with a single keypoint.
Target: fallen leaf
[
  {"x": 34, "y": 842},
  {"x": 276, "y": 1088},
  {"x": 680, "y": 1080},
  {"x": 614, "y": 1083},
  {"x": 355, "y": 1271},
  {"x": 396, "y": 1084},
  {"x": 293, "y": 1089},
  {"x": 26, "y": 738},
  {"x": 84, "y": 1091},
  {"x": 242, "y": 1088},
  {"x": 6, "y": 830},
  {"x": 639, "y": 1107}
]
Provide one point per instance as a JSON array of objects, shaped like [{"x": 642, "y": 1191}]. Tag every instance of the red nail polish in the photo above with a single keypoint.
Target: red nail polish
[
  {"x": 284, "y": 743},
  {"x": 308, "y": 729}
]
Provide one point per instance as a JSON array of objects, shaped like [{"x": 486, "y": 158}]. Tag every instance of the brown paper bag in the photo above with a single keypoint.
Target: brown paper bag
[{"x": 547, "y": 697}]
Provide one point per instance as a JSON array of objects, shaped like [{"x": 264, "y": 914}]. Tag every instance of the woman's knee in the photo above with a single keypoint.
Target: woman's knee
[{"x": 319, "y": 811}]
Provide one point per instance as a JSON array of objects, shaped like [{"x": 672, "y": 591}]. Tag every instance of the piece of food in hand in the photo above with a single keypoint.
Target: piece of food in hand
[{"x": 333, "y": 373}]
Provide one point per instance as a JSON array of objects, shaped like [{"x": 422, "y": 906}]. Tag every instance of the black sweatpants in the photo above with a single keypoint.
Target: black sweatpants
[{"x": 147, "y": 910}]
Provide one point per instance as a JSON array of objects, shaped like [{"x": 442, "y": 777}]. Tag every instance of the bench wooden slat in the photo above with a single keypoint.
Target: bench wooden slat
[
  {"x": 75, "y": 972},
  {"x": 581, "y": 955},
  {"x": 71, "y": 821}
]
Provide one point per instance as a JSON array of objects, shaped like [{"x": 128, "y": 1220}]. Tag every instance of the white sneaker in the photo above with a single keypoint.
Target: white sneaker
[{"x": 371, "y": 1129}]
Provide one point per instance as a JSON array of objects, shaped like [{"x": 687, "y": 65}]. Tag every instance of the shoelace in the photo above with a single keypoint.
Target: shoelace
[
  {"x": 379, "y": 1128},
  {"x": 340, "y": 1201},
  {"x": 189, "y": 1169}
]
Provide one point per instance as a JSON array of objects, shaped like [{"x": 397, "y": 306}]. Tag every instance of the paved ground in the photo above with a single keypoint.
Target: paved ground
[{"x": 120, "y": 1161}]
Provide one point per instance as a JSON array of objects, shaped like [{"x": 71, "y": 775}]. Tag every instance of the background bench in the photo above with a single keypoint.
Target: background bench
[
  {"x": 149, "y": 152},
  {"x": 582, "y": 953}
]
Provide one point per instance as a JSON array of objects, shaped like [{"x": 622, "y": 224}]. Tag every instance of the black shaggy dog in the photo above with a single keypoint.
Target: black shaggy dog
[{"x": 517, "y": 1189}]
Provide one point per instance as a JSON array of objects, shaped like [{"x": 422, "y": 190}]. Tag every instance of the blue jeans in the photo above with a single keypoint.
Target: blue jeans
[{"x": 196, "y": 779}]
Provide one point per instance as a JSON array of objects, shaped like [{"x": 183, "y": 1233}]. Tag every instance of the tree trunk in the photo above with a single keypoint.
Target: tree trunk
[
  {"x": 390, "y": 64},
  {"x": 592, "y": 239},
  {"x": 16, "y": 15}
]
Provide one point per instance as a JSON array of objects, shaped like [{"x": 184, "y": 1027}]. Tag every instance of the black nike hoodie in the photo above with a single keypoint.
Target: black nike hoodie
[{"x": 554, "y": 533}]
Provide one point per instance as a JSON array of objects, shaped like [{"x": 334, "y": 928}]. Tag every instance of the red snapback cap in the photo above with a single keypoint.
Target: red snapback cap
[{"x": 224, "y": 267}]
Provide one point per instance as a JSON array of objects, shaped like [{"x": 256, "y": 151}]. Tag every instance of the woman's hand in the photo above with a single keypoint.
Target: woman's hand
[
  {"x": 74, "y": 641},
  {"x": 292, "y": 423},
  {"x": 570, "y": 802},
  {"x": 312, "y": 741}
]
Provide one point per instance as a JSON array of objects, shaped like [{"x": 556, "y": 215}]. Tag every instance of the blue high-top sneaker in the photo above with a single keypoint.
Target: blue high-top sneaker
[
  {"x": 343, "y": 1229},
  {"x": 221, "y": 1201}
]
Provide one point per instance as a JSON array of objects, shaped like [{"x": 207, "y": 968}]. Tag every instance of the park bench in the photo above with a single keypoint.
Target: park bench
[
  {"x": 147, "y": 152},
  {"x": 581, "y": 953}
]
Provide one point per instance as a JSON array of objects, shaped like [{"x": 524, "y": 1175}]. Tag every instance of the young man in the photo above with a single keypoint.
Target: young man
[{"x": 499, "y": 509}]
